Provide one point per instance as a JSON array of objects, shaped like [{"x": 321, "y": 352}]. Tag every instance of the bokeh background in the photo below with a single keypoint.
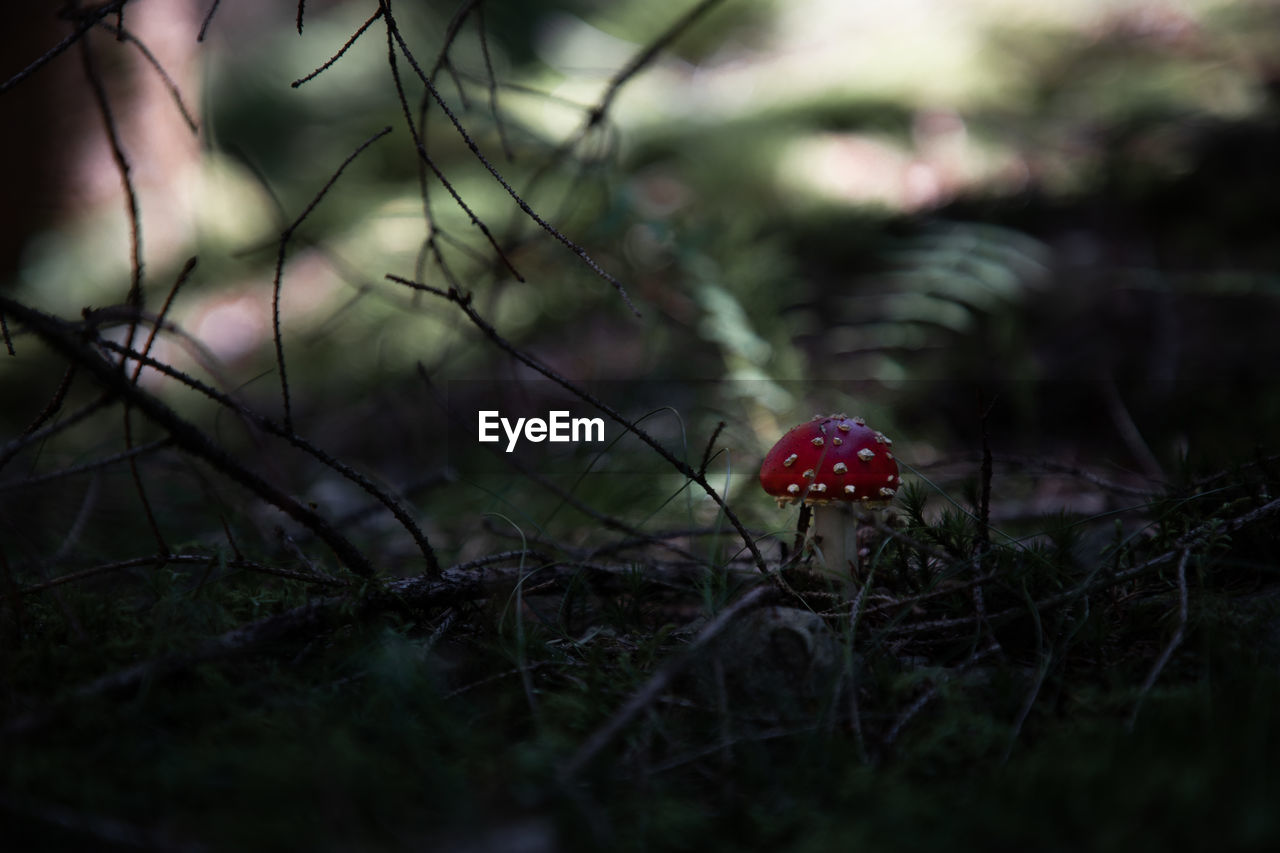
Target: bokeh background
[
  {"x": 1044, "y": 231},
  {"x": 1050, "y": 223}
]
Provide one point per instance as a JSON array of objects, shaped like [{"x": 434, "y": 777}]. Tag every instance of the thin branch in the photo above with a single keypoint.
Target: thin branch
[
  {"x": 208, "y": 19},
  {"x": 159, "y": 322},
  {"x": 426, "y": 159},
  {"x": 311, "y": 618},
  {"x": 855, "y": 615},
  {"x": 122, "y": 34},
  {"x": 1048, "y": 465},
  {"x": 66, "y": 342},
  {"x": 87, "y": 467},
  {"x": 644, "y": 57},
  {"x": 1027, "y": 704},
  {"x": 347, "y": 46},
  {"x": 134, "y": 471},
  {"x": 4, "y": 333},
  {"x": 595, "y": 115},
  {"x": 182, "y": 559},
  {"x": 464, "y": 303},
  {"x": 1174, "y": 641},
  {"x": 55, "y": 403},
  {"x": 1093, "y": 582},
  {"x": 451, "y": 32},
  {"x": 134, "y": 297},
  {"x": 657, "y": 684},
  {"x": 711, "y": 444},
  {"x": 1129, "y": 432},
  {"x": 87, "y": 22},
  {"x": 140, "y": 488},
  {"x": 270, "y": 426},
  {"x": 909, "y": 713},
  {"x": 475, "y": 150},
  {"x": 17, "y": 445},
  {"x": 285, "y": 236},
  {"x": 493, "y": 84}
]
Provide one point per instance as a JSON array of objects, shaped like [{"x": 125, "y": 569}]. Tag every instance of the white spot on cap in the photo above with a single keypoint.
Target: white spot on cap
[
  {"x": 888, "y": 493},
  {"x": 859, "y": 421},
  {"x": 790, "y": 460},
  {"x": 866, "y": 454},
  {"x": 808, "y": 474},
  {"x": 849, "y": 490},
  {"x": 793, "y": 489},
  {"x": 892, "y": 477},
  {"x": 817, "y": 442},
  {"x": 819, "y": 487},
  {"x": 840, "y": 468},
  {"x": 844, "y": 427},
  {"x": 837, "y": 441}
]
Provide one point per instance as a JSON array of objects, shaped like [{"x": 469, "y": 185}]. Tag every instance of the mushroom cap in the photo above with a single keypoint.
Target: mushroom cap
[{"x": 831, "y": 459}]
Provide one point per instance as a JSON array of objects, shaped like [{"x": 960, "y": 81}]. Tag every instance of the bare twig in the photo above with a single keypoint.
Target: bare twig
[
  {"x": 128, "y": 421},
  {"x": 285, "y": 236},
  {"x": 16, "y": 446},
  {"x": 909, "y": 713},
  {"x": 1051, "y": 466},
  {"x": 475, "y": 150},
  {"x": 1046, "y": 664},
  {"x": 208, "y": 19},
  {"x": 493, "y": 83},
  {"x": 122, "y": 34},
  {"x": 1187, "y": 542},
  {"x": 851, "y": 674},
  {"x": 63, "y": 340},
  {"x": 4, "y": 333},
  {"x": 55, "y": 403},
  {"x": 711, "y": 446},
  {"x": 181, "y": 559},
  {"x": 656, "y": 685},
  {"x": 1174, "y": 641},
  {"x": 594, "y": 116},
  {"x": 426, "y": 159},
  {"x": 1129, "y": 432},
  {"x": 159, "y": 322},
  {"x": 464, "y": 303},
  {"x": 984, "y": 517},
  {"x": 87, "y": 22},
  {"x": 316, "y": 616},
  {"x": 345, "y": 47},
  {"x": 647, "y": 55},
  {"x": 267, "y": 425},
  {"x": 136, "y": 474},
  {"x": 122, "y": 166}
]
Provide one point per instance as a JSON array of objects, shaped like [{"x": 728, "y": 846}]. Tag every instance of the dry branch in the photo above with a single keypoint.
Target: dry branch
[
  {"x": 657, "y": 684},
  {"x": 64, "y": 340},
  {"x": 464, "y": 303}
]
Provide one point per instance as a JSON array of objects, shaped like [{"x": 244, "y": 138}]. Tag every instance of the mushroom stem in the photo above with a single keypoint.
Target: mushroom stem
[{"x": 835, "y": 531}]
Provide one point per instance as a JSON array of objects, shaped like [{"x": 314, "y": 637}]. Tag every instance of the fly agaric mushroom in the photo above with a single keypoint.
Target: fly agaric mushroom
[{"x": 830, "y": 463}]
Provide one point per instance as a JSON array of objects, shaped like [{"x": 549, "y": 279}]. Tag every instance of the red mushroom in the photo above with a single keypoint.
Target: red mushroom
[{"x": 829, "y": 463}]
